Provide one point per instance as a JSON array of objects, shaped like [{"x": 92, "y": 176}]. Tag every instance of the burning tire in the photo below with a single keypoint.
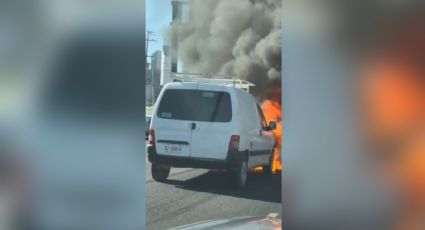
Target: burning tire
[
  {"x": 240, "y": 175},
  {"x": 160, "y": 172}
]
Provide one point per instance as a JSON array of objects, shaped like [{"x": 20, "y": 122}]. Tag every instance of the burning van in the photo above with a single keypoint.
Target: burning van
[{"x": 211, "y": 126}]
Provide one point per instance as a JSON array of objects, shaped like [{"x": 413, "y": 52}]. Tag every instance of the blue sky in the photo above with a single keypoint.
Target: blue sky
[{"x": 158, "y": 17}]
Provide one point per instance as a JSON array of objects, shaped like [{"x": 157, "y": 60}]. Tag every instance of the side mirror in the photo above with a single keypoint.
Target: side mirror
[{"x": 272, "y": 125}]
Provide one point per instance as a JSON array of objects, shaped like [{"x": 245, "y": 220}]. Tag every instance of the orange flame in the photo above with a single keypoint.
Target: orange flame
[{"x": 273, "y": 112}]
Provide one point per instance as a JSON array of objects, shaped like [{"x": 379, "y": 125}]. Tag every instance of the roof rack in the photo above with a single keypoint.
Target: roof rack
[{"x": 212, "y": 78}]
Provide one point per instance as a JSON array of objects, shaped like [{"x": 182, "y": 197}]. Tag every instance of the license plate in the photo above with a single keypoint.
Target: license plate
[{"x": 171, "y": 148}]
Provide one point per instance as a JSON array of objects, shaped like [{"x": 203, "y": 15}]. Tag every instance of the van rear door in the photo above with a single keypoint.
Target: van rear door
[
  {"x": 193, "y": 123},
  {"x": 173, "y": 126},
  {"x": 212, "y": 128}
]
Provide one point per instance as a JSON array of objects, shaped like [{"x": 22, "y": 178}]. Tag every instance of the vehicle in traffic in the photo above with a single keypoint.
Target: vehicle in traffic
[
  {"x": 209, "y": 126},
  {"x": 147, "y": 125}
]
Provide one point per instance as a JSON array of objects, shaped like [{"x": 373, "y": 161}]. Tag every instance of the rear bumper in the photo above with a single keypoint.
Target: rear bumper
[{"x": 233, "y": 160}]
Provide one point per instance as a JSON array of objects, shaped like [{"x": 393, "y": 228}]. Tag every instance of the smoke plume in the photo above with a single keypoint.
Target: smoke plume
[{"x": 239, "y": 38}]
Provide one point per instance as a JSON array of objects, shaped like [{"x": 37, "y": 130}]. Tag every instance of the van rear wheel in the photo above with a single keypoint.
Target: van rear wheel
[
  {"x": 240, "y": 175},
  {"x": 160, "y": 172}
]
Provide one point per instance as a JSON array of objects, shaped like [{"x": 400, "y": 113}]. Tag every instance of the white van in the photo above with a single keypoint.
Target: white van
[{"x": 210, "y": 126}]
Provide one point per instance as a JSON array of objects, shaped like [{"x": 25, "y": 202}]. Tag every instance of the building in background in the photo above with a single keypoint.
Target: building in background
[
  {"x": 177, "y": 9},
  {"x": 156, "y": 67},
  {"x": 153, "y": 77},
  {"x": 156, "y": 73},
  {"x": 165, "y": 62},
  {"x": 169, "y": 61}
]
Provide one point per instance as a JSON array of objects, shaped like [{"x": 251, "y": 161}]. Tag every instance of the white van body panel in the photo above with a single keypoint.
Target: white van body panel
[
  {"x": 248, "y": 124},
  {"x": 258, "y": 139}
]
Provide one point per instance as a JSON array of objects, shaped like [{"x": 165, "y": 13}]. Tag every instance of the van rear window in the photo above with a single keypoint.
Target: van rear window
[{"x": 195, "y": 105}]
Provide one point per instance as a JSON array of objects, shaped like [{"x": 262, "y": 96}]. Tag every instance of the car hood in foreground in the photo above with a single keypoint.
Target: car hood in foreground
[{"x": 238, "y": 223}]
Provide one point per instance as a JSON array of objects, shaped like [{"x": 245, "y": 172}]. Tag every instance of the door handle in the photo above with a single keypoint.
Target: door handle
[{"x": 193, "y": 125}]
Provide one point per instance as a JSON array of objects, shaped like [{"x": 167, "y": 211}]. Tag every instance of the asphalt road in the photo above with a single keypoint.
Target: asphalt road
[{"x": 193, "y": 195}]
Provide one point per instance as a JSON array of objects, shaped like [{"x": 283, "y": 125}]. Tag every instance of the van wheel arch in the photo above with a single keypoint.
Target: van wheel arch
[
  {"x": 240, "y": 175},
  {"x": 268, "y": 168}
]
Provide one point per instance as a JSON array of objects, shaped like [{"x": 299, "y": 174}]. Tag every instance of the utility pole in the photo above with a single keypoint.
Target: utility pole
[{"x": 148, "y": 39}]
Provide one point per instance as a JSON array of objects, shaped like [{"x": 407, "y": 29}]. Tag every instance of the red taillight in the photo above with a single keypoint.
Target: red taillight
[
  {"x": 151, "y": 137},
  {"x": 234, "y": 143}
]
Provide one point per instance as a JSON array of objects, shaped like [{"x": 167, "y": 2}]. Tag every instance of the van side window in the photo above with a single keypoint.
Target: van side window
[{"x": 263, "y": 121}]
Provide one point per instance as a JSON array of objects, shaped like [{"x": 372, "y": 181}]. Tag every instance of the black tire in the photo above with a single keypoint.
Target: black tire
[
  {"x": 160, "y": 172},
  {"x": 268, "y": 168},
  {"x": 240, "y": 175}
]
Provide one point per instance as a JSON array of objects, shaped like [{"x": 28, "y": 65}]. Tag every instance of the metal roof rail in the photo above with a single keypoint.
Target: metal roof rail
[{"x": 212, "y": 78}]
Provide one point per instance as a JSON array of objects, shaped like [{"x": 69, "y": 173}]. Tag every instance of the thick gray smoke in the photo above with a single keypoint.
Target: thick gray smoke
[{"x": 239, "y": 38}]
